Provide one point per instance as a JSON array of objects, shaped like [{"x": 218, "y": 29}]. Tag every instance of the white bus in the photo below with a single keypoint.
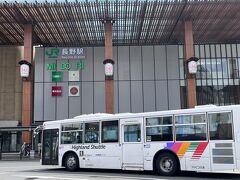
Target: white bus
[{"x": 203, "y": 139}]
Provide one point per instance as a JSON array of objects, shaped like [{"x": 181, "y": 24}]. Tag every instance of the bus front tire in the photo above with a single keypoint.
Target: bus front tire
[
  {"x": 71, "y": 162},
  {"x": 167, "y": 164}
]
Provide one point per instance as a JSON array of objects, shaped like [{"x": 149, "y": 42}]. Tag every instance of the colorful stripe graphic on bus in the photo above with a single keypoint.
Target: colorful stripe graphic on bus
[{"x": 197, "y": 148}]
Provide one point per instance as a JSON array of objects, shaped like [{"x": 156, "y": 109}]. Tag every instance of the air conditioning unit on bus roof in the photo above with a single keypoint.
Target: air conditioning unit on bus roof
[
  {"x": 93, "y": 115},
  {"x": 205, "y": 106}
]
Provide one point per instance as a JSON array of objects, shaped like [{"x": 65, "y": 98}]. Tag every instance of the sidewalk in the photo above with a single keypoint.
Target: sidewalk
[{"x": 16, "y": 156}]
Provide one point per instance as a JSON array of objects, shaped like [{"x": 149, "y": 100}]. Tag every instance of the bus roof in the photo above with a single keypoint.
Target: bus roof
[
  {"x": 105, "y": 116},
  {"x": 93, "y": 115}
]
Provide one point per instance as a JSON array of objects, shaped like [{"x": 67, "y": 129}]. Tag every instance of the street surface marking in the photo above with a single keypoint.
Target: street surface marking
[
  {"x": 122, "y": 177},
  {"x": 90, "y": 176},
  {"x": 48, "y": 177},
  {"x": 16, "y": 167}
]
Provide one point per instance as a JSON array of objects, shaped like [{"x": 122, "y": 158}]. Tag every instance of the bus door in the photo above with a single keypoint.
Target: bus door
[
  {"x": 132, "y": 143},
  {"x": 50, "y": 147}
]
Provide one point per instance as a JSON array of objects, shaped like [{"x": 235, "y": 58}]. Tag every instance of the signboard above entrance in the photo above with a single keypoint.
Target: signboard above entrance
[{"x": 65, "y": 53}]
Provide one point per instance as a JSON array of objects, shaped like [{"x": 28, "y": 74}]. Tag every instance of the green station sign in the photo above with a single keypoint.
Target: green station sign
[
  {"x": 77, "y": 65},
  {"x": 65, "y": 53},
  {"x": 59, "y": 59},
  {"x": 56, "y": 76}
]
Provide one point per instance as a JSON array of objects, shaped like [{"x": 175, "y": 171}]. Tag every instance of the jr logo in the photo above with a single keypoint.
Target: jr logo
[{"x": 52, "y": 53}]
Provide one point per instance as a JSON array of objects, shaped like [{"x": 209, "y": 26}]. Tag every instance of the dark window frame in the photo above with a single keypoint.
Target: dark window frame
[
  {"x": 191, "y": 124},
  {"x": 139, "y": 133},
  {"x": 232, "y": 126},
  {"x": 102, "y": 132},
  {"x": 159, "y": 125},
  {"x": 98, "y": 135},
  {"x": 81, "y": 130}
]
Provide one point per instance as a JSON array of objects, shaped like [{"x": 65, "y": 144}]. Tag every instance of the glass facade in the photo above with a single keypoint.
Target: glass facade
[
  {"x": 10, "y": 141},
  {"x": 217, "y": 79}
]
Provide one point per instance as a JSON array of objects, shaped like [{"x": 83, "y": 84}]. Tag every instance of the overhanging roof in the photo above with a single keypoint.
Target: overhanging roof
[{"x": 137, "y": 22}]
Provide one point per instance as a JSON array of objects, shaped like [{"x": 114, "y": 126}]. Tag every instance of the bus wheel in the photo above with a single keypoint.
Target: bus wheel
[
  {"x": 71, "y": 162},
  {"x": 166, "y": 164}
]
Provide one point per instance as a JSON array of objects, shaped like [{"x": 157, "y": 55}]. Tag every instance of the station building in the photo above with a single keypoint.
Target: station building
[{"x": 74, "y": 46}]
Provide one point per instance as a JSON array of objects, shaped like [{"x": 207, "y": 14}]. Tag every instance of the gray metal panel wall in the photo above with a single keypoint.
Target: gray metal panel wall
[
  {"x": 39, "y": 63},
  {"x": 172, "y": 62},
  {"x": 87, "y": 97},
  {"x": 115, "y": 66},
  {"x": 98, "y": 64},
  {"x": 162, "y": 95},
  {"x": 160, "y": 62},
  {"x": 116, "y": 100},
  {"x": 116, "y": 90},
  {"x": 75, "y": 102},
  {"x": 148, "y": 63},
  {"x": 99, "y": 97},
  {"x": 87, "y": 72},
  {"x": 137, "y": 96},
  {"x": 174, "y": 94},
  {"x": 149, "y": 96},
  {"x": 62, "y": 102},
  {"x": 136, "y": 63},
  {"x": 38, "y": 102},
  {"x": 124, "y": 96},
  {"x": 123, "y": 63},
  {"x": 49, "y": 109}
]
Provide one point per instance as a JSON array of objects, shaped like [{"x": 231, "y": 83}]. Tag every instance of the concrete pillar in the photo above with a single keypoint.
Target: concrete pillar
[
  {"x": 109, "y": 83},
  {"x": 27, "y": 90},
  {"x": 191, "y": 79}
]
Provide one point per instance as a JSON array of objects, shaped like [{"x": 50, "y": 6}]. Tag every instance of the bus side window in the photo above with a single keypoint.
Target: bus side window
[
  {"x": 109, "y": 131},
  {"x": 92, "y": 132},
  {"x": 220, "y": 125},
  {"x": 191, "y": 127},
  {"x": 72, "y": 133},
  {"x": 159, "y": 129}
]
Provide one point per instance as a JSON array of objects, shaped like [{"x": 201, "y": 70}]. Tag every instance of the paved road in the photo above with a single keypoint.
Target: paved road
[{"x": 31, "y": 170}]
